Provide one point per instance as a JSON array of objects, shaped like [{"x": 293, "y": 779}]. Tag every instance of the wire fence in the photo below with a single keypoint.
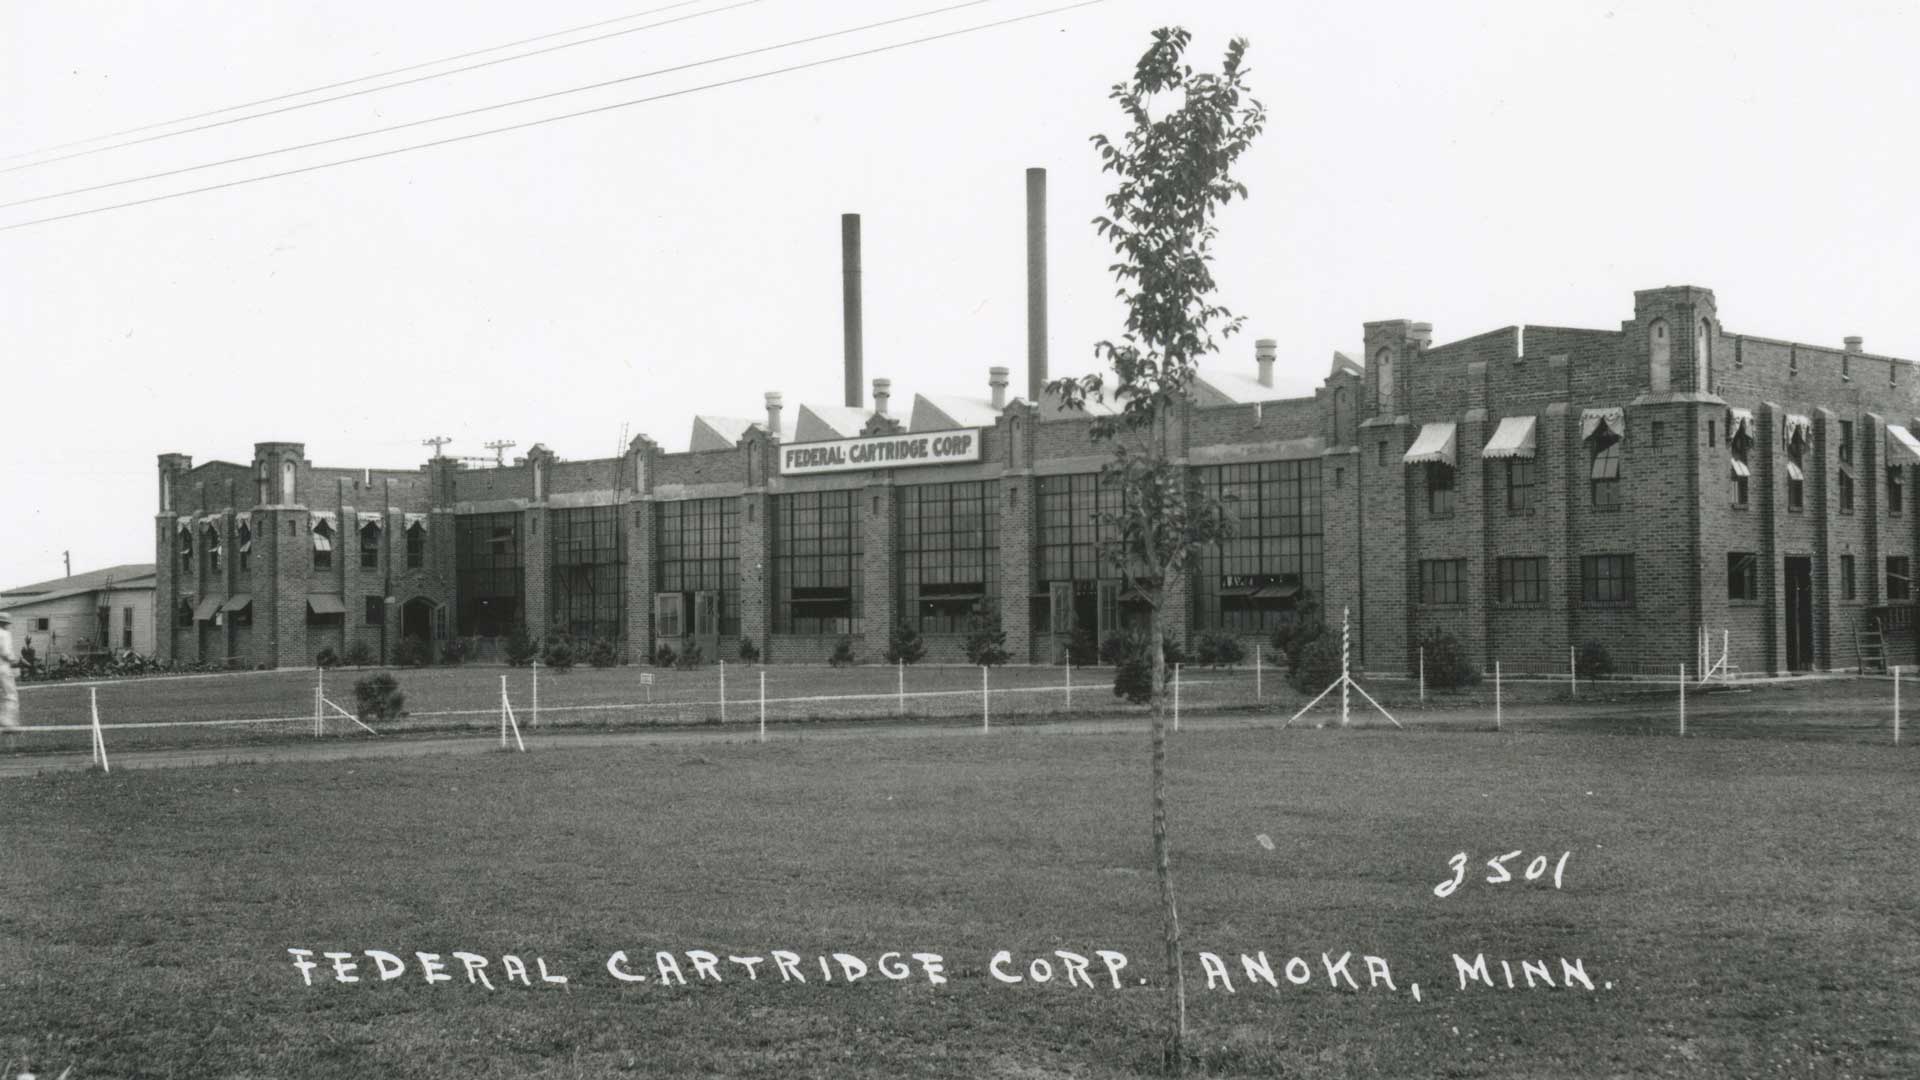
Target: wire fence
[{"x": 250, "y": 708}]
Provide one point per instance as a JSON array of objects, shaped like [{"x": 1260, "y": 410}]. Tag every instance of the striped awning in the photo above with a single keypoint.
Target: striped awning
[
  {"x": 1740, "y": 468},
  {"x": 1739, "y": 422},
  {"x": 1435, "y": 444},
  {"x": 416, "y": 519},
  {"x": 207, "y": 608},
  {"x": 1514, "y": 438},
  {"x": 239, "y": 602},
  {"x": 1901, "y": 445},
  {"x": 1614, "y": 417},
  {"x": 1796, "y": 424},
  {"x": 370, "y": 517}
]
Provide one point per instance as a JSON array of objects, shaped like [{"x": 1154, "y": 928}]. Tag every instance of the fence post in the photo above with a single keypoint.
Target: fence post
[
  {"x": 1573, "y": 675},
  {"x": 319, "y": 699},
  {"x": 1683, "y": 701},
  {"x": 1346, "y": 680},
  {"x": 902, "y": 665},
  {"x": 763, "y": 705},
  {"x": 1896, "y": 705},
  {"x": 983, "y": 697},
  {"x": 1726, "y": 670},
  {"x": 1258, "y": 652},
  {"x": 723, "y": 691},
  {"x": 503, "y": 712},
  {"x": 1069, "y": 685},
  {"x": 1176, "y": 697},
  {"x": 535, "y": 720},
  {"x": 1496, "y": 695},
  {"x": 100, "y": 739},
  {"x": 1423, "y": 676}
]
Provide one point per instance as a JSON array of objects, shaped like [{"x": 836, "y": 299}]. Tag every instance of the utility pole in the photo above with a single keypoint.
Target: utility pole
[
  {"x": 436, "y": 442},
  {"x": 500, "y": 448}
]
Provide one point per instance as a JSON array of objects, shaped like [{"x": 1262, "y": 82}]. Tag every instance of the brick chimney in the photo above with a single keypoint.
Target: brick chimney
[
  {"x": 773, "y": 413},
  {"x": 1855, "y": 343},
  {"x": 997, "y": 378},
  {"x": 882, "y": 390},
  {"x": 1263, "y": 354},
  {"x": 1422, "y": 334}
]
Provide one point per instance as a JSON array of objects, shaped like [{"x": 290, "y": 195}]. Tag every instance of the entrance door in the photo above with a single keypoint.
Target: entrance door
[
  {"x": 1060, "y": 618},
  {"x": 1799, "y": 613},
  {"x": 706, "y": 623},
  {"x": 416, "y": 619}
]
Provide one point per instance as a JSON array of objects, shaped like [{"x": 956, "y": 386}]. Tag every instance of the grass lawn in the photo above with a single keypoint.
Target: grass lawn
[{"x": 1751, "y": 904}]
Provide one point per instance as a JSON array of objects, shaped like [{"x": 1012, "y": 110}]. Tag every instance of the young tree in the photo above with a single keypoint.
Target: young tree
[{"x": 1175, "y": 174}]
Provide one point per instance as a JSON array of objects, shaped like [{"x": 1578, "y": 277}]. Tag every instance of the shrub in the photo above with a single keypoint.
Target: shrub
[
  {"x": 690, "y": 659},
  {"x": 1082, "y": 648},
  {"x": 327, "y": 658},
  {"x": 986, "y": 641},
  {"x": 1593, "y": 661},
  {"x": 558, "y": 654},
  {"x": 412, "y": 652},
  {"x": 358, "y": 655},
  {"x": 1448, "y": 666},
  {"x": 378, "y": 697},
  {"x": 842, "y": 653},
  {"x": 664, "y": 656},
  {"x": 905, "y": 645},
  {"x": 749, "y": 652},
  {"x": 1220, "y": 650},
  {"x": 1318, "y": 665},
  {"x": 455, "y": 651},
  {"x": 602, "y": 653},
  {"x": 1133, "y": 664},
  {"x": 1113, "y": 651},
  {"x": 1303, "y": 629},
  {"x": 521, "y": 648},
  {"x": 1176, "y": 652}
]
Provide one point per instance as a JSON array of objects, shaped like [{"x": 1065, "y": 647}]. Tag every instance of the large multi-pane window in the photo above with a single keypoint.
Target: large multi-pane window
[
  {"x": 1251, "y": 582},
  {"x": 817, "y": 563},
  {"x": 1443, "y": 581},
  {"x": 1070, "y": 529},
  {"x": 1606, "y": 579},
  {"x": 949, "y": 554},
  {"x": 1522, "y": 579},
  {"x": 697, "y": 560},
  {"x": 487, "y": 573},
  {"x": 587, "y": 582}
]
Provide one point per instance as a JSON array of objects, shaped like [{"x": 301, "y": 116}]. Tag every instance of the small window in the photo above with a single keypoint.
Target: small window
[
  {"x": 1846, "y": 442},
  {"x": 1743, "y": 576},
  {"x": 244, "y": 538},
  {"x": 183, "y": 614},
  {"x": 213, "y": 550},
  {"x": 1899, "y": 578},
  {"x": 370, "y": 546},
  {"x": 1339, "y": 478},
  {"x": 1439, "y": 489},
  {"x": 1606, "y": 470},
  {"x": 186, "y": 551},
  {"x": 1846, "y": 491},
  {"x": 1896, "y": 490},
  {"x": 42, "y": 623},
  {"x": 669, "y": 613},
  {"x": 416, "y": 546},
  {"x": 1658, "y": 432},
  {"x": 322, "y": 545},
  {"x": 1739, "y": 444},
  {"x": 1606, "y": 579},
  {"x": 376, "y": 610},
  {"x": 1522, "y": 580},
  {"x": 1847, "y": 590},
  {"x": 126, "y": 628},
  {"x": 1443, "y": 581},
  {"x": 1522, "y": 485},
  {"x": 1383, "y": 451},
  {"x": 1709, "y": 433}
]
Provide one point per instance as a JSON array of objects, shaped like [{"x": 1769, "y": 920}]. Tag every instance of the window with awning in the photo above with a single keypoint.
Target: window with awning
[
  {"x": 1603, "y": 430},
  {"x": 1739, "y": 446},
  {"x": 1902, "y": 447},
  {"x": 1513, "y": 438},
  {"x": 207, "y": 608},
  {"x": 323, "y": 533},
  {"x": 1798, "y": 430},
  {"x": 1435, "y": 445}
]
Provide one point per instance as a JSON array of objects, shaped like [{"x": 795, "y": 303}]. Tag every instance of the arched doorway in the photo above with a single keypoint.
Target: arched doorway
[{"x": 416, "y": 619}]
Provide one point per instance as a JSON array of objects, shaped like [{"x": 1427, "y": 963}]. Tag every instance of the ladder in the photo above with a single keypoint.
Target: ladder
[{"x": 1870, "y": 645}]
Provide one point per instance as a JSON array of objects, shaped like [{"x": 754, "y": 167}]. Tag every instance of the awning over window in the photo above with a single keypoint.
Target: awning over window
[
  {"x": 1435, "y": 444},
  {"x": 210, "y": 520},
  {"x": 1514, "y": 438},
  {"x": 1739, "y": 422},
  {"x": 416, "y": 521},
  {"x": 207, "y": 608},
  {"x": 243, "y": 525},
  {"x": 1902, "y": 447},
  {"x": 325, "y": 604},
  {"x": 1797, "y": 424},
  {"x": 238, "y": 602},
  {"x": 1279, "y": 590},
  {"x": 1794, "y": 473},
  {"x": 1740, "y": 468},
  {"x": 1614, "y": 417},
  {"x": 321, "y": 541},
  {"x": 370, "y": 517},
  {"x": 1238, "y": 590}
]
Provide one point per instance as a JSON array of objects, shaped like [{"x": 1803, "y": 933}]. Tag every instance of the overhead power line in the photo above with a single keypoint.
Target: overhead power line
[
  {"x": 489, "y": 108},
  {"x": 377, "y": 89},
  {"x": 754, "y": 77},
  {"x": 348, "y": 82}
]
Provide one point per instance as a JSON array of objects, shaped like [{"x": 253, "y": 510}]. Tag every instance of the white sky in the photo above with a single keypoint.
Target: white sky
[{"x": 1475, "y": 166}]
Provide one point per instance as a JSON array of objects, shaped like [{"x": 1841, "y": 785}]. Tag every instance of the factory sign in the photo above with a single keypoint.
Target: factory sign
[{"x": 881, "y": 452}]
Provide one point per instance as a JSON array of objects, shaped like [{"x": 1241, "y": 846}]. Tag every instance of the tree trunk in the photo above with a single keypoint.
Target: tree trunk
[{"x": 1176, "y": 1054}]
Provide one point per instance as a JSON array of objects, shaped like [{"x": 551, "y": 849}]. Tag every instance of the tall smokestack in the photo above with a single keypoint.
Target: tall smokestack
[
  {"x": 850, "y": 303},
  {"x": 1036, "y": 283}
]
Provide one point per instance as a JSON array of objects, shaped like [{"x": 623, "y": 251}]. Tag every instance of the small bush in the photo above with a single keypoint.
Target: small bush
[
  {"x": 1593, "y": 661},
  {"x": 1220, "y": 650},
  {"x": 905, "y": 645},
  {"x": 1317, "y": 667},
  {"x": 986, "y": 641},
  {"x": 358, "y": 655},
  {"x": 1448, "y": 666},
  {"x": 412, "y": 652},
  {"x": 1083, "y": 650},
  {"x": 749, "y": 652},
  {"x": 559, "y": 654},
  {"x": 1176, "y": 652},
  {"x": 455, "y": 651},
  {"x": 521, "y": 648},
  {"x": 690, "y": 659},
  {"x": 841, "y": 652},
  {"x": 1303, "y": 629},
  {"x": 378, "y": 697},
  {"x": 327, "y": 658},
  {"x": 602, "y": 653},
  {"x": 1133, "y": 665},
  {"x": 664, "y": 656},
  {"x": 1113, "y": 651}
]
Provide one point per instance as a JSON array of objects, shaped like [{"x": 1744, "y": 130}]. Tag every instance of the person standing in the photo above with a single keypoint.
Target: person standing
[{"x": 9, "y": 693}]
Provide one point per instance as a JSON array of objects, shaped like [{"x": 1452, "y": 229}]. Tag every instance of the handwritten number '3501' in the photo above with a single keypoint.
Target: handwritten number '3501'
[{"x": 1535, "y": 870}]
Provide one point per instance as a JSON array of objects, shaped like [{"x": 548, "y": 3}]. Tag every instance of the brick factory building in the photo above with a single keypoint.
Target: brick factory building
[{"x": 1526, "y": 490}]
